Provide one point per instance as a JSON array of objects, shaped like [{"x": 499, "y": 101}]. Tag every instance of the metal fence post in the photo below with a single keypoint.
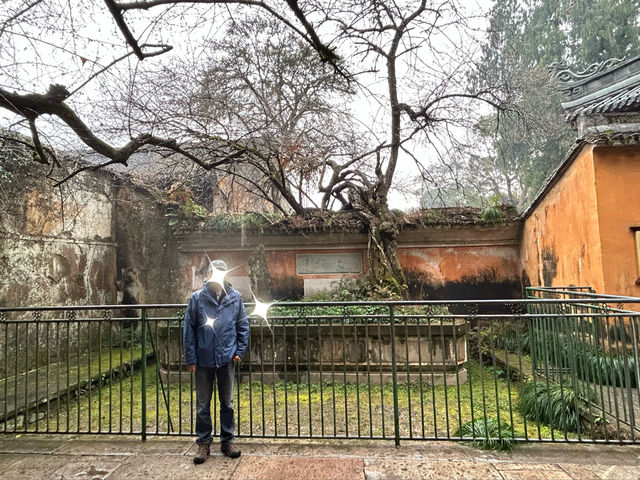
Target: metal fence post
[
  {"x": 396, "y": 418},
  {"x": 143, "y": 318}
]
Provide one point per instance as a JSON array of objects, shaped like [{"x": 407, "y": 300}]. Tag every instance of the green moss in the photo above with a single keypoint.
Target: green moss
[
  {"x": 251, "y": 221},
  {"x": 305, "y": 409}
]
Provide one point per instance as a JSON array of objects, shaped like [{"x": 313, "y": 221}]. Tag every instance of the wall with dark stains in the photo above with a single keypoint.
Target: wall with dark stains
[
  {"x": 56, "y": 244},
  {"x": 455, "y": 262},
  {"x": 561, "y": 237},
  {"x": 580, "y": 232},
  {"x": 146, "y": 261},
  {"x": 96, "y": 240},
  {"x": 617, "y": 175},
  {"x": 462, "y": 272}
]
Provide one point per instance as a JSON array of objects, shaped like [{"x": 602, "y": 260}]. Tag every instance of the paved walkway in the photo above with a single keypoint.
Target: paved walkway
[{"x": 127, "y": 458}]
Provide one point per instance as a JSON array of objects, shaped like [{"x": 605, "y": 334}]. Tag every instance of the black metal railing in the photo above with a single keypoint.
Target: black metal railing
[{"x": 536, "y": 369}]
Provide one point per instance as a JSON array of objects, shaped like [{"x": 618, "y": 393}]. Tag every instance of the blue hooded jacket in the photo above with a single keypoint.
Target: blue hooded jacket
[{"x": 215, "y": 345}]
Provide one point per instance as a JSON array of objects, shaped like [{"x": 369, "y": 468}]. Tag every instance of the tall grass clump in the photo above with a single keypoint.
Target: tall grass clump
[
  {"x": 489, "y": 434},
  {"x": 559, "y": 406}
]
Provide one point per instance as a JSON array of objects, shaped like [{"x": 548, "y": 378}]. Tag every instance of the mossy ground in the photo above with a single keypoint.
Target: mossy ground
[{"x": 330, "y": 409}]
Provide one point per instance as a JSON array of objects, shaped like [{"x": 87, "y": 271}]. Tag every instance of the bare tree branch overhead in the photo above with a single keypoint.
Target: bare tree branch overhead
[
  {"x": 303, "y": 103},
  {"x": 32, "y": 105}
]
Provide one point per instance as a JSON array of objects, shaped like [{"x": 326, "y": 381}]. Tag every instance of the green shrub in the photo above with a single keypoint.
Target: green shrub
[
  {"x": 492, "y": 213},
  {"x": 601, "y": 368},
  {"x": 252, "y": 221},
  {"x": 588, "y": 362},
  {"x": 488, "y": 433},
  {"x": 559, "y": 406},
  {"x": 501, "y": 336},
  {"x": 353, "y": 290}
]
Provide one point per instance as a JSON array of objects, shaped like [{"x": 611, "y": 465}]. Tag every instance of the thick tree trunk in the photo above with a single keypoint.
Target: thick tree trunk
[{"x": 384, "y": 270}]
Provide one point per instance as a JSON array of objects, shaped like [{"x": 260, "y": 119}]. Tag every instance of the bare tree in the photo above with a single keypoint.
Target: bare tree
[
  {"x": 259, "y": 97},
  {"x": 39, "y": 28},
  {"x": 409, "y": 59},
  {"x": 414, "y": 47}
]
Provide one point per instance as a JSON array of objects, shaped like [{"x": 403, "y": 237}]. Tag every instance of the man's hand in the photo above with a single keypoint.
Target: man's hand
[
  {"x": 236, "y": 359},
  {"x": 191, "y": 368}
]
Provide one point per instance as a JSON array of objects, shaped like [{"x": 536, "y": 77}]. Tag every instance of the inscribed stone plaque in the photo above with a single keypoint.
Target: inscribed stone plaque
[{"x": 321, "y": 263}]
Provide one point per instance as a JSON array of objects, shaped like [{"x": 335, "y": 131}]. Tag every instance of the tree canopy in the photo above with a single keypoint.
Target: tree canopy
[{"x": 510, "y": 153}]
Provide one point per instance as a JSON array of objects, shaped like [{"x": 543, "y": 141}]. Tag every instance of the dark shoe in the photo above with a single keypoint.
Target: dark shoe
[
  {"x": 230, "y": 450},
  {"x": 202, "y": 453}
]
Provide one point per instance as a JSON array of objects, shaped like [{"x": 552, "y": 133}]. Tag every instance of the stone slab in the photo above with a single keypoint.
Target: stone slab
[
  {"x": 563, "y": 453},
  {"x": 315, "y": 285},
  {"x": 328, "y": 263},
  {"x": 368, "y": 449},
  {"x": 305, "y": 468},
  {"x": 390, "y": 469},
  {"x": 164, "y": 446},
  {"x": 86, "y": 446},
  {"x": 375, "y": 378},
  {"x": 524, "y": 471},
  {"x": 600, "y": 472},
  {"x": 31, "y": 444},
  {"x": 180, "y": 467},
  {"x": 8, "y": 460},
  {"x": 58, "y": 467}
]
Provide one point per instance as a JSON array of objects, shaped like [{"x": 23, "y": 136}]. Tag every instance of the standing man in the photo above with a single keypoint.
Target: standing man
[{"x": 216, "y": 335}]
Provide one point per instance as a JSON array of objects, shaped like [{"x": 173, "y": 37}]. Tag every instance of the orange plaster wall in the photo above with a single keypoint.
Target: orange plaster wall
[
  {"x": 461, "y": 263},
  {"x": 617, "y": 173},
  {"x": 440, "y": 268},
  {"x": 560, "y": 242}
]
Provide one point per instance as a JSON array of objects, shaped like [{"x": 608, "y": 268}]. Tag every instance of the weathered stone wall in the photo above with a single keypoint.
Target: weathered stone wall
[
  {"x": 56, "y": 244},
  {"x": 146, "y": 260},
  {"x": 56, "y": 248},
  {"x": 97, "y": 240},
  {"x": 452, "y": 262}
]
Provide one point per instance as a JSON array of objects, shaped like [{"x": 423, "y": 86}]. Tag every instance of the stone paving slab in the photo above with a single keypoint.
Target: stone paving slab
[
  {"x": 31, "y": 444},
  {"x": 177, "y": 467},
  {"x": 601, "y": 472},
  {"x": 390, "y": 469},
  {"x": 589, "y": 454},
  {"x": 299, "y": 468},
  {"x": 94, "y": 446},
  {"x": 61, "y": 467},
  {"x": 164, "y": 446},
  {"x": 112, "y": 457},
  {"x": 533, "y": 472}
]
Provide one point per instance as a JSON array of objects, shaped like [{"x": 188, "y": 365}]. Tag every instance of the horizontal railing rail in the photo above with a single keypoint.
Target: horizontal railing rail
[{"x": 534, "y": 369}]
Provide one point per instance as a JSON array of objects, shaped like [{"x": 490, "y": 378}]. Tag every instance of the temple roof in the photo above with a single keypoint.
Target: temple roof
[
  {"x": 626, "y": 100},
  {"x": 612, "y": 86}
]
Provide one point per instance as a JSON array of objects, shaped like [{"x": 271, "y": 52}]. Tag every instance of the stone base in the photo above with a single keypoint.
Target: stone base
[{"x": 376, "y": 378}]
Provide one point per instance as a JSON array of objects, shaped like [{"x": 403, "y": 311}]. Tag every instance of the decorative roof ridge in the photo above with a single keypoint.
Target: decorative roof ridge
[
  {"x": 564, "y": 75},
  {"x": 608, "y": 86}
]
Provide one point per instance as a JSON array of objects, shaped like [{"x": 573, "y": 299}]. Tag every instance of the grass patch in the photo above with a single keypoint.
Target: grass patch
[{"x": 328, "y": 409}]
